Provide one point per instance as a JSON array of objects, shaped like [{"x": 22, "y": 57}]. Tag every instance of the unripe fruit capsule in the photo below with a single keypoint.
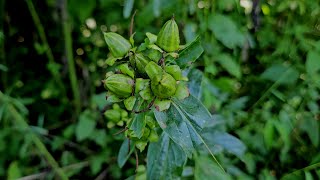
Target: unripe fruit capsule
[
  {"x": 120, "y": 85},
  {"x": 117, "y": 44},
  {"x": 168, "y": 37}
]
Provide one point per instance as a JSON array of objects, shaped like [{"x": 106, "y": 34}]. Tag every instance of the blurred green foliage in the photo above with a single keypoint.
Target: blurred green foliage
[{"x": 261, "y": 69}]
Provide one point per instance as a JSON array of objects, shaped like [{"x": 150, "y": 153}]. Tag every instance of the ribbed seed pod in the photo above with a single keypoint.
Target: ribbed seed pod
[
  {"x": 168, "y": 37},
  {"x": 117, "y": 44},
  {"x": 120, "y": 85},
  {"x": 141, "y": 61}
]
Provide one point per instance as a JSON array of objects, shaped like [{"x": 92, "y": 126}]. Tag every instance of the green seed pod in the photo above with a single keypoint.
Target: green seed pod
[
  {"x": 153, "y": 54},
  {"x": 140, "y": 62},
  {"x": 174, "y": 71},
  {"x": 168, "y": 37},
  {"x": 117, "y": 44},
  {"x": 154, "y": 71},
  {"x": 120, "y": 85},
  {"x": 113, "y": 115},
  {"x": 165, "y": 88}
]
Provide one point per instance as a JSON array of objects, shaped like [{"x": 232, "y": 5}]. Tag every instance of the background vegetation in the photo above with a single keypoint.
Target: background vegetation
[{"x": 261, "y": 82}]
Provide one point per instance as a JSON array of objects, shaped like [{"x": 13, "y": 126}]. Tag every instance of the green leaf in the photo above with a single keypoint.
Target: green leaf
[
  {"x": 81, "y": 9},
  {"x": 229, "y": 65},
  {"x": 156, "y": 7},
  {"x": 311, "y": 126},
  {"x": 85, "y": 126},
  {"x": 3, "y": 68},
  {"x": 281, "y": 74},
  {"x": 268, "y": 133},
  {"x": 228, "y": 142},
  {"x": 183, "y": 122},
  {"x": 313, "y": 66},
  {"x": 165, "y": 159},
  {"x": 312, "y": 63},
  {"x": 13, "y": 171},
  {"x": 206, "y": 169},
  {"x": 124, "y": 152},
  {"x": 190, "y": 54},
  {"x": 226, "y": 30},
  {"x": 128, "y": 5},
  {"x": 138, "y": 124}
]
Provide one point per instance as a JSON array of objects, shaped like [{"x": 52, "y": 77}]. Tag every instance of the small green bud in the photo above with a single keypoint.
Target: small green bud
[
  {"x": 113, "y": 115},
  {"x": 117, "y": 44},
  {"x": 168, "y": 37},
  {"x": 120, "y": 85},
  {"x": 124, "y": 114},
  {"x": 165, "y": 88},
  {"x": 116, "y": 106}
]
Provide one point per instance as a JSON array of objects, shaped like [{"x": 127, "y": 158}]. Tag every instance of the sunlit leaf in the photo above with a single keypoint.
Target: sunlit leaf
[{"x": 190, "y": 54}]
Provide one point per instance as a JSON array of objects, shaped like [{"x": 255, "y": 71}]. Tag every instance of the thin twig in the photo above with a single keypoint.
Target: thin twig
[
  {"x": 42, "y": 35},
  {"x": 137, "y": 159},
  {"x": 102, "y": 175},
  {"x": 66, "y": 168},
  {"x": 129, "y": 145},
  {"x": 69, "y": 55},
  {"x": 132, "y": 22},
  {"x": 121, "y": 131}
]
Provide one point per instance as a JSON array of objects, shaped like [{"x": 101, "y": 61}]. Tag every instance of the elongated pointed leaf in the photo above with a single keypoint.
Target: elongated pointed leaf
[
  {"x": 216, "y": 139},
  {"x": 138, "y": 124},
  {"x": 124, "y": 152},
  {"x": 206, "y": 169},
  {"x": 190, "y": 54},
  {"x": 165, "y": 159},
  {"x": 128, "y": 5}
]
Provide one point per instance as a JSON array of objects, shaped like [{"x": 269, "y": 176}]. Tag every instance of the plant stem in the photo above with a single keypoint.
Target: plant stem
[
  {"x": 20, "y": 121},
  {"x": 69, "y": 55},
  {"x": 42, "y": 175},
  {"x": 54, "y": 72}
]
